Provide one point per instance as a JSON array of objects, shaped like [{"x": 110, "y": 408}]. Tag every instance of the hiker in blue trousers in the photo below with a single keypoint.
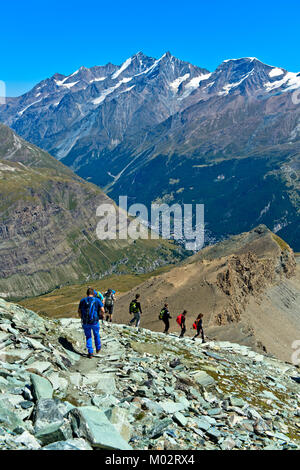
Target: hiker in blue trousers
[{"x": 90, "y": 309}]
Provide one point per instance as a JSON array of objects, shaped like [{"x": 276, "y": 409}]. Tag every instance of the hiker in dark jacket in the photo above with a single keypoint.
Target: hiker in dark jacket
[
  {"x": 109, "y": 300},
  {"x": 182, "y": 323},
  {"x": 89, "y": 310},
  {"x": 135, "y": 309},
  {"x": 165, "y": 316},
  {"x": 199, "y": 327}
]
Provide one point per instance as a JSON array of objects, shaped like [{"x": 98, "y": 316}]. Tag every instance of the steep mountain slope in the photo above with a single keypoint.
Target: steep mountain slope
[
  {"x": 248, "y": 289},
  {"x": 227, "y": 139},
  {"x": 48, "y": 226}
]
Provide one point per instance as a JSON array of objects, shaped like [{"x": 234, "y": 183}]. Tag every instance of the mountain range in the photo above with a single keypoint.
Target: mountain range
[{"x": 164, "y": 130}]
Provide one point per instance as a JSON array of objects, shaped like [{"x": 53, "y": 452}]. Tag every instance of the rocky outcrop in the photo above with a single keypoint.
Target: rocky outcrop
[
  {"x": 249, "y": 276},
  {"x": 167, "y": 393}
]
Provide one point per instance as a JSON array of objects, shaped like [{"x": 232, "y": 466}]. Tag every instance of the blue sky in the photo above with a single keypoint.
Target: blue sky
[{"x": 40, "y": 38}]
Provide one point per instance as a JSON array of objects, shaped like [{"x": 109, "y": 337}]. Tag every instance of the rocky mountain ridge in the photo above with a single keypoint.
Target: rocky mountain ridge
[
  {"x": 245, "y": 287},
  {"x": 144, "y": 391},
  {"x": 228, "y": 138}
]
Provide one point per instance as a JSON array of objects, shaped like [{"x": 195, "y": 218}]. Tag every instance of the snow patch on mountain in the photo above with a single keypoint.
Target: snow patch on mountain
[
  {"x": 230, "y": 86},
  {"x": 122, "y": 68},
  {"x": 251, "y": 59},
  {"x": 275, "y": 72},
  {"x": 110, "y": 90},
  {"x": 291, "y": 81},
  {"x": 194, "y": 83},
  {"x": 177, "y": 82},
  {"x": 67, "y": 85},
  {"x": 99, "y": 79},
  {"x": 31, "y": 104}
]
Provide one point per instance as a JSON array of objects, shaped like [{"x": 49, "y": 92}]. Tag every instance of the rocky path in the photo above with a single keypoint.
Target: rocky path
[{"x": 144, "y": 390}]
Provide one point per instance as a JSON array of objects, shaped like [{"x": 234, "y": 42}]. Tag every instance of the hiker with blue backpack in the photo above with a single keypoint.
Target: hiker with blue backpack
[{"x": 90, "y": 309}]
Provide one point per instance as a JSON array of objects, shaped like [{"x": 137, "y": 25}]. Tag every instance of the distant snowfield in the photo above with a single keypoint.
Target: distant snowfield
[
  {"x": 176, "y": 83},
  {"x": 193, "y": 84},
  {"x": 110, "y": 90},
  {"x": 67, "y": 85},
  {"x": 276, "y": 72},
  {"x": 31, "y": 104},
  {"x": 122, "y": 68},
  {"x": 290, "y": 80},
  {"x": 230, "y": 86}
]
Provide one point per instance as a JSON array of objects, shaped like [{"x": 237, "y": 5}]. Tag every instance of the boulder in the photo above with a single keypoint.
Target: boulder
[
  {"x": 119, "y": 418},
  {"x": 203, "y": 379},
  {"x": 93, "y": 425},
  {"x": 106, "y": 384},
  {"x": 49, "y": 412},
  {"x": 170, "y": 407},
  {"x": 41, "y": 387},
  {"x": 54, "y": 432},
  {"x": 28, "y": 440},
  {"x": 9, "y": 420},
  {"x": 70, "y": 444}
]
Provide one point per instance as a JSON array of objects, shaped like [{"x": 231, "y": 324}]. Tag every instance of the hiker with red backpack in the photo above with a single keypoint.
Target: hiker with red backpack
[
  {"x": 198, "y": 325},
  {"x": 181, "y": 322},
  {"x": 89, "y": 310}
]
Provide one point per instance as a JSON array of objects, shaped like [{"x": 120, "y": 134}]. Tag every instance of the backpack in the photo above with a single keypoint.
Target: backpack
[
  {"x": 99, "y": 295},
  {"x": 133, "y": 308},
  {"x": 108, "y": 298},
  {"x": 179, "y": 319},
  {"x": 161, "y": 315},
  {"x": 195, "y": 326},
  {"x": 90, "y": 315}
]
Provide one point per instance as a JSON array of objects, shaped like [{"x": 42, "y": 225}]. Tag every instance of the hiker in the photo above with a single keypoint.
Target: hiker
[
  {"x": 181, "y": 322},
  {"x": 165, "y": 317},
  {"x": 198, "y": 325},
  {"x": 90, "y": 307},
  {"x": 101, "y": 297},
  {"x": 135, "y": 309},
  {"x": 109, "y": 300}
]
